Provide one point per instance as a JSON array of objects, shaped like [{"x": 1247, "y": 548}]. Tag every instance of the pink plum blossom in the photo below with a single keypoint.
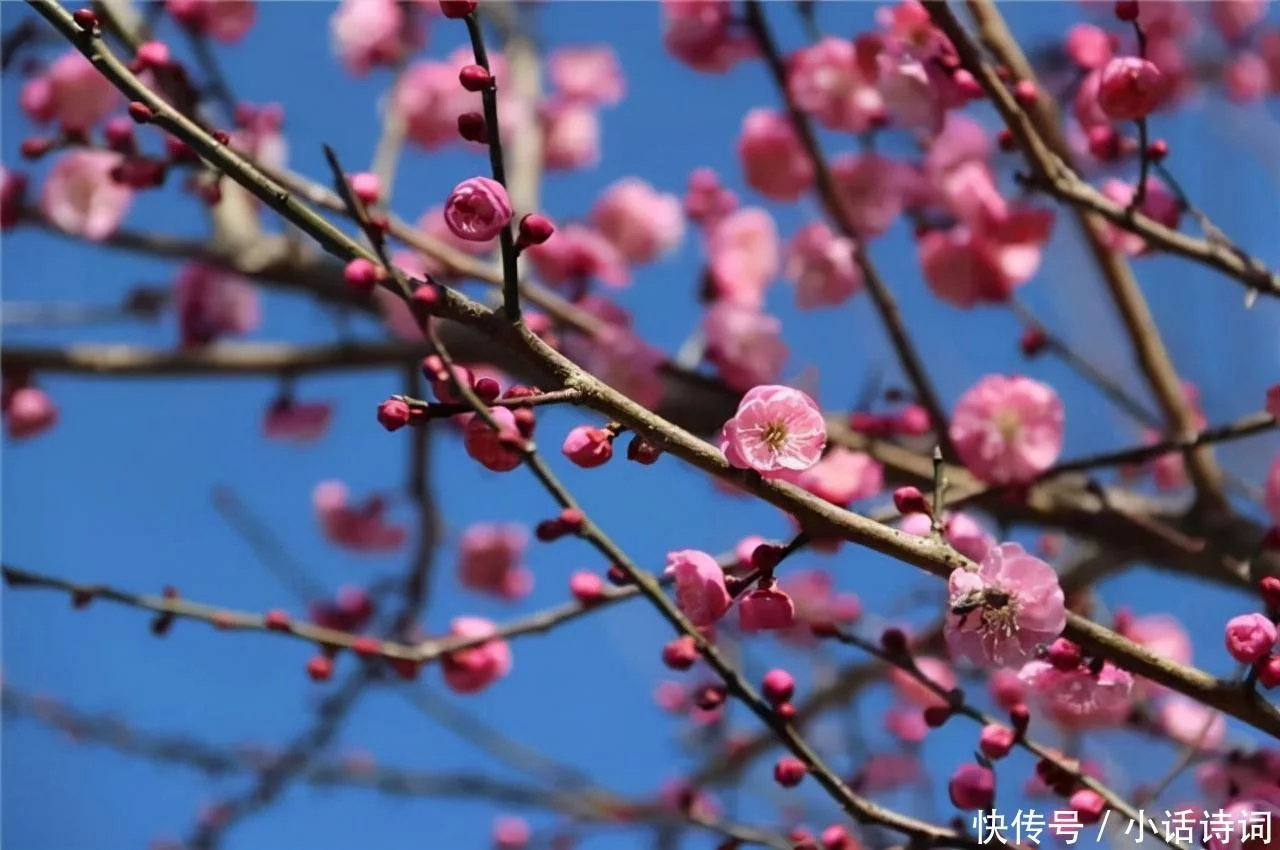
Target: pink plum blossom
[
  {"x": 226, "y": 21},
  {"x": 81, "y": 198},
  {"x": 706, "y": 201},
  {"x": 915, "y": 91},
  {"x": 212, "y": 303},
  {"x": 570, "y": 135},
  {"x": 885, "y": 772},
  {"x": 699, "y": 586},
  {"x": 471, "y": 670},
  {"x": 70, "y": 92},
  {"x": 1089, "y": 46},
  {"x": 816, "y": 600},
  {"x": 910, "y": 689},
  {"x": 430, "y": 100},
  {"x": 1255, "y": 808},
  {"x": 361, "y": 528},
  {"x": 766, "y": 609},
  {"x": 511, "y": 833},
  {"x": 1008, "y": 429},
  {"x": 843, "y": 476},
  {"x": 1006, "y": 609},
  {"x": 575, "y": 254},
  {"x": 835, "y": 82},
  {"x": 773, "y": 159},
  {"x": 821, "y": 264},
  {"x": 702, "y": 35},
  {"x": 299, "y": 422},
  {"x": 29, "y": 412},
  {"x": 872, "y": 191},
  {"x": 1250, "y": 637},
  {"x": 745, "y": 345},
  {"x": 1079, "y": 699},
  {"x": 368, "y": 33},
  {"x": 743, "y": 255},
  {"x": 962, "y": 531},
  {"x": 966, "y": 266},
  {"x": 477, "y": 209},
  {"x": 777, "y": 431},
  {"x": 642, "y": 223},
  {"x": 588, "y": 74},
  {"x": 1192, "y": 724},
  {"x": 489, "y": 560},
  {"x": 1130, "y": 88}
]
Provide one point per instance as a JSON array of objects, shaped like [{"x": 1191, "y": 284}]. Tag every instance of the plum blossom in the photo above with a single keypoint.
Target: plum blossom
[
  {"x": 70, "y": 92},
  {"x": 743, "y": 255},
  {"x": 81, "y": 198},
  {"x": 226, "y": 21},
  {"x": 1008, "y": 429},
  {"x": 1130, "y": 88},
  {"x": 706, "y": 201},
  {"x": 29, "y": 412},
  {"x": 212, "y": 302},
  {"x": 349, "y": 611},
  {"x": 477, "y": 209},
  {"x": 843, "y": 476},
  {"x": 1250, "y": 637},
  {"x": 576, "y": 254},
  {"x": 773, "y": 159},
  {"x": 745, "y": 345},
  {"x": 834, "y": 80},
  {"x": 766, "y": 609},
  {"x": 368, "y": 33},
  {"x": 703, "y": 35},
  {"x": 361, "y": 528},
  {"x": 777, "y": 431},
  {"x": 910, "y": 689},
  {"x": 699, "y": 586},
  {"x": 1192, "y": 723},
  {"x": 821, "y": 264},
  {"x": 816, "y": 600},
  {"x": 1255, "y": 809},
  {"x": 430, "y": 100},
  {"x": 1006, "y": 609},
  {"x": 570, "y": 135},
  {"x": 300, "y": 422},
  {"x": 872, "y": 191},
  {"x": 915, "y": 91},
  {"x": 588, "y": 75},
  {"x": 642, "y": 223},
  {"x": 489, "y": 560},
  {"x": 1077, "y": 698},
  {"x": 471, "y": 670},
  {"x": 966, "y": 266},
  {"x": 962, "y": 531}
]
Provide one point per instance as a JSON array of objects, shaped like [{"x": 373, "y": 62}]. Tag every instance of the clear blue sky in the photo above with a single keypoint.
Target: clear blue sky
[{"x": 120, "y": 492}]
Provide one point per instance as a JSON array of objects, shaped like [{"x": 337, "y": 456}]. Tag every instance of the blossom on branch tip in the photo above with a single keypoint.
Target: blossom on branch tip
[
  {"x": 80, "y": 197},
  {"x": 1000, "y": 614},
  {"x": 767, "y": 608},
  {"x": 588, "y": 446},
  {"x": 699, "y": 586},
  {"x": 477, "y": 209},
  {"x": 972, "y": 787},
  {"x": 642, "y": 223},
  {"x": 490, "y": 560},
  {"x": 29, "y": 412},
  {"x": 1079, "y": 698},
  {"x": 1130, "y": 88},
  {"x": 469, "y": 671},
  {"x": 777, "y": 431},
  {"x": 360, "y": 528},
  {"x": 1008, "y": 429},
  {"x": 1250, "y": 637}
]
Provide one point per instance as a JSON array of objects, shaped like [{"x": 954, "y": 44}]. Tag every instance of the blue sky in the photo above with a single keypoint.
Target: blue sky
[{"x": 120, "y": 492}]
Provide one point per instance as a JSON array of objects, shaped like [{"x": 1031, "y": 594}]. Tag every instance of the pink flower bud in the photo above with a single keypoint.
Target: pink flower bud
[
  {"x": 152, "y": 54},
  {"x": 534, "y": 230},
  {"x": 487, "y": 446},
  {"x": 140, "y": 112},
  {"x": 680, "y": 653},
  {"x": 586, "y": 587},
  {"x": 1089, "y": 804},
  {"x": 29, "y": 413},
  {"x": 995, "y": 741},
  {"x": 1130, "y": 88},
  {"x": 457, "y": 8},
  {"x": 588, "y": 447},
  {"x": 394, "y": 414},
  {"x": 1269, "y": 672},
  {"x": 789, "y": 771},
  {"x": 475, "y": 78},
  {"x": 367, "y": 187},
  {"x": 477, "y": 209},
  {"x": 471, "y": 127},
  {"x": 778, "y": 686},
  {"x": 361, "y": 274},
  {"x": 1269, "y": 587},
  {"x": 1250, "y": 637},
  {"x": 909, "y": 500},
  {"x": 766, "y": 609},
  {"x": 972, "y": 787}
]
